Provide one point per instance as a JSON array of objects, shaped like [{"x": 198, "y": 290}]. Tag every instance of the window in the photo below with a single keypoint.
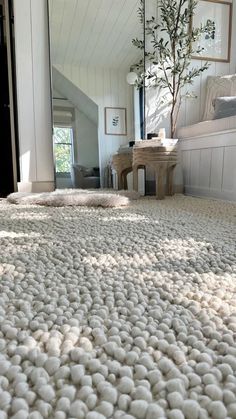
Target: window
[{"x": 63, "y": 148}]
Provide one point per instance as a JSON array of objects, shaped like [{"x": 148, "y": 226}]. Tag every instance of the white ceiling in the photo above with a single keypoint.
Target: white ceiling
[{"x": 94, "y": 32}]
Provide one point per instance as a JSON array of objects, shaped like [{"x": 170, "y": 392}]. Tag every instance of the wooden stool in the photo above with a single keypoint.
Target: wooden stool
[
  {"x": 122, "y": 163},
  {"x": 162, "y": 159}
]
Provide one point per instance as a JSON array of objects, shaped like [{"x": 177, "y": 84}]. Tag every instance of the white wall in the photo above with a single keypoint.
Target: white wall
[
  {"x": 209, "y": 165},
  {"x": 192, "y": 109},
  {"x": 33, "y": 95},
  {"x": 86, "y": 141},
  {"x": 107, "y": 88}
]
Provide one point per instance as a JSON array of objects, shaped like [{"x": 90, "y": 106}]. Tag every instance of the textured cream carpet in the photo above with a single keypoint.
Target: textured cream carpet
[{"x": 118, "y": 313}]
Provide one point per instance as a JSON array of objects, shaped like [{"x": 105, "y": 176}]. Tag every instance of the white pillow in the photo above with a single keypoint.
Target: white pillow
[{"x": 218, "y": 86}]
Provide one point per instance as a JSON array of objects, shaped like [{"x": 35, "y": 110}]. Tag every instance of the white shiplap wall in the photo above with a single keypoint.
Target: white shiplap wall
[
  {"x": 94, "y": 32},
  {"x": 107, "y": 88},
  {"x": 209, "y": 165},
  {"x": 192, "y": 109},
  {"x": 33, "y": 96},
  {"x": 208, "y": 160}
]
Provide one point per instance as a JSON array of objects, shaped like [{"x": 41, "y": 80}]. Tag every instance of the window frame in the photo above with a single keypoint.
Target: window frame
[
  {"x": 71, "y": 145},
  {"x": 60, "y": 124}
]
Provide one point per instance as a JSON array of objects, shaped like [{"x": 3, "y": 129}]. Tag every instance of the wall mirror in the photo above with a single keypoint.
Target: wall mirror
[{"x": 95, "y": 109}]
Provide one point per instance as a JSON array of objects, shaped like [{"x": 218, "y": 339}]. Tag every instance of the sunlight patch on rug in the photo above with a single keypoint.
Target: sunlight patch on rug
[{"x": 120, "y": 312}]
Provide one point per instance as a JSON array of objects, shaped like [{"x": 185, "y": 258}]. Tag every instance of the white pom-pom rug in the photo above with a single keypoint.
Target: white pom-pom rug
[
  {"x": 75, "y": 197},
  {"x": 118, "y": 313}
]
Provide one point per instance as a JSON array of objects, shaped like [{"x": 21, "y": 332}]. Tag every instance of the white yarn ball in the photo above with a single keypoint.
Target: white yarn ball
[
  {"x": 231, "y": 408},
  {"x": 140, "y": 372},
  {"x": 4, "y": 367},
  {"x": 77, "y": 372},
  {"x": 142, "y": 393},
  {"x": 78, "y": 407},
  {"x": 126, "y": 371},
  {"x": 228, "y": 397},
  {"x": 119, "y": 354},
  {"x": 85, "y": 344},
  {"x": 131, "y": 358},
  {"x": 97, "y": 378},
  {"x": 217, "y": 410},
  {"x": 91, "y": 401},
  {"x": 175, "y": 384},
  {"x": 68, "y": 391},
  {"x": 84, "y": 392},
  {"x": 95, "y": 415},
  {"x": 176, "y": 414},
  {"x": 124, "y": 402},
  {"x": 5, "y": 399},
  {"x": 126, "y": 385},
  {"x": 21, "y": 414},
  {"x": 46, "y": 392},
  {"x": 21, "y": 389},
  {"x": 109, "y": 394},
  {"x": 60, "y": 415},
  {"x": 191, "y": 409},
  {"x": 154, "y": 411},
  {"x": 105, "y": 408},
  {"x": 35, "y": 415},
  {"x": 138, "y": 408},
  {"x": 52, "y": 364},
  {"x": 19, "y": 404},
  {"x": 30, "y": 397},
  {"x": 214, "y": 392},
  {"x": 202, "y": 368},
  {"x": 44, "y": 408},
  {"x": 63, "y": 404},
  {"x": 175, "y": 400}
]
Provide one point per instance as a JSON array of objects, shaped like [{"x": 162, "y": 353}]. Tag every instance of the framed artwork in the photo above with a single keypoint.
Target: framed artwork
[
  {"x": 217, "y": 43},
  {"x": 115, "y": 121}
]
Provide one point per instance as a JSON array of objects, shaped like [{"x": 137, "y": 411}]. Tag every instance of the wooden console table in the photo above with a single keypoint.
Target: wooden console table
[
  {"x": 162, "y": 159},
  {"x": 122, "y": 164}
]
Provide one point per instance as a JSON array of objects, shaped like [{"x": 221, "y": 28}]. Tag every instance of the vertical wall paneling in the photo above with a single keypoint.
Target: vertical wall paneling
[
  {"x": 229, "y": 169},
  {"x": 204, "y": 168},
  {"x": 25, "y": 82},
  {"x": 211, "y": 169},
  {"x": 42, "y": 105},
  {"x": 194, "y": 167},
  {"x": 33, "y": 95},
  {"x": 186, "y": 166},
  {"x": 217, "y": 156}
]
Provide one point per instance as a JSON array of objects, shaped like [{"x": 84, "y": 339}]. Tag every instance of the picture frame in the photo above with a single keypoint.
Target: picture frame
[
  {"x": 115, "y": 121},
  {"x": 217, "y": 44}
]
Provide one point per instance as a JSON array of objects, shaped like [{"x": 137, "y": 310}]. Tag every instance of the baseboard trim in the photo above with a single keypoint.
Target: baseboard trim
[
  {"x": 36, "y": 186},
  {"x": 224, "y": 195}
]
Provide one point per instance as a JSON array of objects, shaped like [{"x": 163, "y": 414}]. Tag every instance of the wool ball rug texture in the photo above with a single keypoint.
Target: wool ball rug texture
[{"x": 118, "y": 313}]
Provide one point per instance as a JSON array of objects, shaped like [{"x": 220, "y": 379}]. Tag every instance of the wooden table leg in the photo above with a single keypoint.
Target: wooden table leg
[
  {"x": 125, "y": 183},
  {"x": 120, "y": 181},
  {"x": 169, "y": 180},
  {"x": 159, "y": 173},
  {"x": 135, "y": 178}
]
